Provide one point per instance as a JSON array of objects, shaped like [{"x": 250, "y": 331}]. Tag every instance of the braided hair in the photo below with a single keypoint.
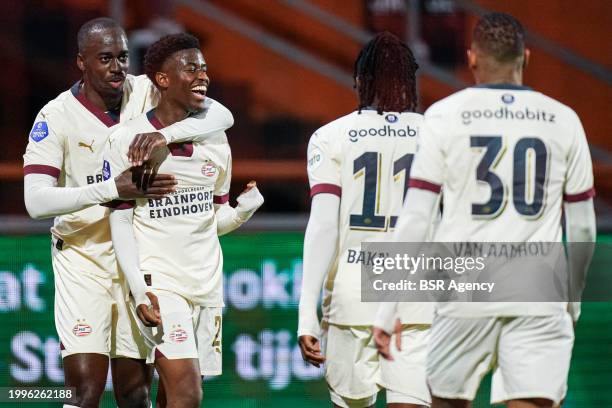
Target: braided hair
[{"x": 385, "y": 75}]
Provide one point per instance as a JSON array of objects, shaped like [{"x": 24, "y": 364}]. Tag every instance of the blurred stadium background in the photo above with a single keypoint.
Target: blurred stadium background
[{"x": 284, "y": 68}]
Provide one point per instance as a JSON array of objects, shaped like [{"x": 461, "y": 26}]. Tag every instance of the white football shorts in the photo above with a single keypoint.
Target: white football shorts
[
  {"x": 187, "y": 331},
  {"x": 91, "y": 314},
  {"x": 355, "y": 372},
  {"x": 530, "y": 355}
]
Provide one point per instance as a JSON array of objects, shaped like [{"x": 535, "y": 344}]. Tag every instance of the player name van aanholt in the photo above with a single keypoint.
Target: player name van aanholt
[{"x": 433, "y": 285}]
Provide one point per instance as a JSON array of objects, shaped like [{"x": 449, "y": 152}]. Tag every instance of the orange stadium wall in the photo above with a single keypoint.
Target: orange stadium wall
[
  {"x": 279, "y": 86},
  {"x": 583, "y": 28}
]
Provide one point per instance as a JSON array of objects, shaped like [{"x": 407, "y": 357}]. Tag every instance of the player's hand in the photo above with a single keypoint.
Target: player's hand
[
  {"x": 143, "y": 145},
  {"x": 144, "y": 182},
  {"x": 250, "y": 185},
  {"x": 149, "y": 314},
  {"x": 311, "y": 350},
  {"x": 249, "y": 201},
  {"x": 382, "y": 339},
  {"x": 397, "y": 330}
]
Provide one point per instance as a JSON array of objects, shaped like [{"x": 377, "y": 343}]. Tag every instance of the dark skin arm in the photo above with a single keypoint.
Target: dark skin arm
[
  {"x": 149, "y": 315},
  {"x": 311, "y": 350},
  {"x": 143, "y": 146},
  {"x": 144, "y": 182},
  {"x": 383, "y": 340}
]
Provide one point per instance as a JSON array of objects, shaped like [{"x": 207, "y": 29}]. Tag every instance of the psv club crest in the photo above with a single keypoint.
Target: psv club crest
[
  {"x": 178, "y": 335},
  {"x": 209, "y": 169},
  {"x": 81, "y": 329}
]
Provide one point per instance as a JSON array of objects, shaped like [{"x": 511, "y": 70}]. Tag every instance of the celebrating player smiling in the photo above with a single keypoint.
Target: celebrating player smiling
[
  {"x": 168, "y": 248},
  {"x": 62, "y": 178}
]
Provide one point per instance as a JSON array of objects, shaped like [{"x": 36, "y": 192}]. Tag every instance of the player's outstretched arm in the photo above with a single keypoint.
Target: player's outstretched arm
[
  {"x": 44, "y": 199},
  {"x": 412, "y": 226},
  {"x": 126, "y": 251},
  {"x": 580, "y": 228},
  {"x": 230, "y": 218},
  {"x": 320, "y": 246},
  {"x": 197, "y": 128}
]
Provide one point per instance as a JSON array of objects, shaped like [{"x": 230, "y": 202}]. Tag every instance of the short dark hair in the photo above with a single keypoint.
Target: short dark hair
[
  {"x": 163, "y": 48},
  {"x": 92, "y": 26},
  {"x": 386, "y": 74},
  {"x": 501, "y": 36}
]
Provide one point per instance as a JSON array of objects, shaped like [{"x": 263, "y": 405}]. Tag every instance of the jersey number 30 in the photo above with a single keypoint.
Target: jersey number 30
[
  {"x": 369, "y": 162},
  {"x": 530, "y": 166}
]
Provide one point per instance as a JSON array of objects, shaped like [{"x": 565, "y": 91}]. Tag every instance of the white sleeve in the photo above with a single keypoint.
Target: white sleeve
[
  {"x": 320, "y": 245},
  {"x": 323, "y": 165},
  {"x": 230, "y": 218},
  {"x": 413, "y": 225},
  {"x": 385, "y": 317},
  {"x": 417, "y": 216},
  {"x": 199, "y": 127},
  {"x": 43, "y": 163},
  {"x": 579, "y": 177},
  {"x": 43, "y": 199},
  {"x": 580, "y": 228},
  {"x": 429, "y": 169},
  {"x": 46, "y": 143},
  {"x": 223, "y": 183},
  {"x": 126, "y": 251}
]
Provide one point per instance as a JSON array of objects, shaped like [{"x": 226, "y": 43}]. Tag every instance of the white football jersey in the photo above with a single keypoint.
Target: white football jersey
[
  {"x": 505, "y": 158},
  {"x": 365, "y": 159},
  {"x": 176, "y": 236},
  {"x": 66, "y": 142}
]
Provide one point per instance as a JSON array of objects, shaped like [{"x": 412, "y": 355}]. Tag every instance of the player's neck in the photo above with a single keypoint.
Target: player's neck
[
  {"x": 105, "y": 103},
  {"x": 511, "y": 77},
  {"x": 168, "y": 112}
]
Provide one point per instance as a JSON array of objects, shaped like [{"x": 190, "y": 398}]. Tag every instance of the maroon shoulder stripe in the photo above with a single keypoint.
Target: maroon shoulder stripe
[
  {"x": 326, "y": 188},
  {"x": 424, "y": 185},
  {"x": 41, "y": 169},
  {"x": 104, "y": 117},
  {"x": 574, "y": 198},
  {"x": 153, "y": 120},
  {"x": 184, "y": 149},
  {"x": 120, "y": 205},
  {"x": 221, "y": 199}
]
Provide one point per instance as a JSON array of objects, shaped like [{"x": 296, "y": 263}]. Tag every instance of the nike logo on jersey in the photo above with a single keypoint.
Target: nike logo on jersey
[{"x": 88, "y": 146}]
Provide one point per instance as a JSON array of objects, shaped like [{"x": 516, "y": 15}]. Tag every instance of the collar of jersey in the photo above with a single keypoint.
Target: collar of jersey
[
  {"x": 372, "y": 108},
  {"x": 153, "y": 120},
  {"x": 108, "y": 118},
  {"x": 504, "y": 86}
]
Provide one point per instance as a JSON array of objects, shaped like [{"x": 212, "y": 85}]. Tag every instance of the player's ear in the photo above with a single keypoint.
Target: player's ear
[
  {"x": 80, "y": 62},
  {"x": 472, "y": 60},
  {"x": 161, "y": 79},
  {"x": 526, "y": 56}
]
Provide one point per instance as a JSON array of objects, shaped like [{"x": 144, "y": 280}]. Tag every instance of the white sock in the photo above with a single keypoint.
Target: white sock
[{"x": 69, "y": 406}]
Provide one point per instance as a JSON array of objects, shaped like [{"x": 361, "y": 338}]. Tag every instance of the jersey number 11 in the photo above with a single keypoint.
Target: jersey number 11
[{"x": 370, "y": 163}]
